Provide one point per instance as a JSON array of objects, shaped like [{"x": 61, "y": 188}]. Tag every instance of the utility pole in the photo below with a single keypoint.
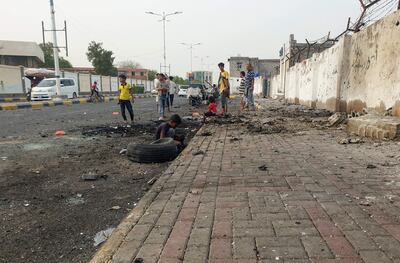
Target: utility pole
[
  {"x": 55, "y": 49},
  {"x": 164, "y": 20},
  {"x": 191, "y": 46}
]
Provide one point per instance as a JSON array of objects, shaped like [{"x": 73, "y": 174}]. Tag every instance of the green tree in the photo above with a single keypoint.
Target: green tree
[
  {"x": 129, "y": 64},
  {"x": 101, "y": 59},
  {"x": 152, "y": 75},
  {"x": 180, "y": 81},
  {"x": 49, "y": 57}
]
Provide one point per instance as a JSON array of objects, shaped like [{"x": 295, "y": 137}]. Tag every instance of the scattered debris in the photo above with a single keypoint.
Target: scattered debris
[
  {"x": 371, "y": 166},
  {"x": 59, "y": 133},
  {"x": 123, "y": 151},
  {"x": 234, "y": 139},
  {"x": 337, "y": 119},
  {"x": 93, "y": 177},
  {"x": 4, "y": 158},
  {"x": 102, "y": 236},
  {"x": 364, "y": 203},
  {"x": 138, "y": 260},
  {"x": 115, "y": 113},
  {"x": 198, "y": 152},
  {"x": 196, "y": 115},
  {"x": 350, "y": 141},
  {"x": 152, "y": 181},
  {"x": 263, "y": 168},
  {"x": 206, "y": 133},
  {"x": 117, "y": 207},
  {"x": 194, "y": 191},
  {"x": 75, "y": 200}
]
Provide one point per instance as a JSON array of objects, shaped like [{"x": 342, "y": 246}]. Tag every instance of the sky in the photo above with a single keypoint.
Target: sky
[{"x": 256, "y": 28}]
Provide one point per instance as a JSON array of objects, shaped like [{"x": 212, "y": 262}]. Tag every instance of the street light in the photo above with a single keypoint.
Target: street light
[
  {"x": 191, "y": 45},
  {"x": 202, "y": 61},
  {"x": 55, "y": 50},
  {"x": 164, "y": 20}
]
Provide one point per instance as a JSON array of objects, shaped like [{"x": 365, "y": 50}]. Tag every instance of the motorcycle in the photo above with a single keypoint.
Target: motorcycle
[{"x": 195, "y": 96}]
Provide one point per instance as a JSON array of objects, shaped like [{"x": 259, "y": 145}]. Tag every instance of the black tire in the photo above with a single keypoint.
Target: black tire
[
  {"x": 165, "y": 141},
  {"x": 74, "y": 96},
  {"x": 163, "y": 151}
]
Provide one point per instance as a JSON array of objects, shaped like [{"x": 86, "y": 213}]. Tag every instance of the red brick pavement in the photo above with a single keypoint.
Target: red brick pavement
[{"x": 312, "y": 204}]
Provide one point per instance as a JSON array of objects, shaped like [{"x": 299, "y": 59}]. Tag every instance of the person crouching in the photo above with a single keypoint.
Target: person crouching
[
  {"x": 167, "y": 129},
  {"x": 212, "y": 109}
]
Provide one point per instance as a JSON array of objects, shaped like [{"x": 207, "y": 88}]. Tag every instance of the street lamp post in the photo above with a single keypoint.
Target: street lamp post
[
  {"x": 191, "y": 46},
  {"x": 202, "y": 61},
  {"x": 164, "y": 20},
  {"x": 55, "y": 49}
]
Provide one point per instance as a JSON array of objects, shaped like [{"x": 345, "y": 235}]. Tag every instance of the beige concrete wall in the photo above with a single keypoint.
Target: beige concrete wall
[
  {"x": 105, "y": 83},
  {"x": 360, "y": 71},
  {"x": 84, "y": 82},
  {"x": 10, "y": 80},
  {"x": 114, "y": 84},
  {"x": 275, "y": 85},
  {"x": 374, "y": 76}
]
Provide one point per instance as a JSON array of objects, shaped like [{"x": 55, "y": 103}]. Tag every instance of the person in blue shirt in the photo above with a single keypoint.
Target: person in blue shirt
[{"x": 249, "y": 87}]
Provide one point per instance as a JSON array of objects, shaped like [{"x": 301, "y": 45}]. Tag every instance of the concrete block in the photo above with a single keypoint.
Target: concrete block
[{"x": 375, "y": 127}]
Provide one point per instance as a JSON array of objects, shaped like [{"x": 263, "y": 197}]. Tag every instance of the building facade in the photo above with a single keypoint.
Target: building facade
[
  {"x": 139, "y": 74},
  {"x": 264, "y": 67},
  {"x": 20, "y": 53},
  {"x": 203, "y": 77}
]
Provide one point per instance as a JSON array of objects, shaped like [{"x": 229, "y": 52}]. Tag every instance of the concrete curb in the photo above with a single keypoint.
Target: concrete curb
[
  {"x": 110, "y": 247},
  {"x": 16, "y": 99},
  {"x": 43, "y": 104}
]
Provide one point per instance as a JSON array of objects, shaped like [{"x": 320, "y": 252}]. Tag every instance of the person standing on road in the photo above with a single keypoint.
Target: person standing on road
[
  {"x": 249, "y": 90},
  {"x": 125, "y": 96},
  {"x": 172, "y": 90},
  {"x": 224, "y": 87},
  {"x": 156, "y": 87},
  {"x": 242, "y": 89},
  {"x": 168, "y": 98},
  {"x": 163, "y": 92}
]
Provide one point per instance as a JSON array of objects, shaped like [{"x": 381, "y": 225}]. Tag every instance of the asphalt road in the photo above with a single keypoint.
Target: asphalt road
[
  {"x": 48, "y": 213},
  {"x": 32, "y": 122}
]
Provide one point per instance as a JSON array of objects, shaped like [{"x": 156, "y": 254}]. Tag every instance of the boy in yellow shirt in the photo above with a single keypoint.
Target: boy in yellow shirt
[
  {"x": 224, "y": 87},
  {"x": 125, "y": 96}
]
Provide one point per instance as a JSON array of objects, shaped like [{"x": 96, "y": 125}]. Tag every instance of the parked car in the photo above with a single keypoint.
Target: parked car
[
  {"x": 46, "y": 89},
  {"x": 183, "y": 91}
]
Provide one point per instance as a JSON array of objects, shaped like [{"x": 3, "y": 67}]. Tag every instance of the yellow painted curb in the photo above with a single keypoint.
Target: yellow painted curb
[
  {"x": 67, "y": 102},
  {"x": 9, "y": 107},
  {"x": 51, "y": 103},
  {"x": 8, "y": 99},
  {"x": 82, "y": 101},
  {"x": 37, "y": 106}
]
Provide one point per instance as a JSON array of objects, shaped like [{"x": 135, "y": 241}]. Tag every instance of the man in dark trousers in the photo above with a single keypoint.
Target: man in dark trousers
[{"x": 125, "y": 96}]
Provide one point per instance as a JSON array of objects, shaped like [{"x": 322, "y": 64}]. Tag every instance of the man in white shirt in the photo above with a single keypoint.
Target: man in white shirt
[
  {"x": 172, "y": 90},
  {"x": 157, "y": 87}
]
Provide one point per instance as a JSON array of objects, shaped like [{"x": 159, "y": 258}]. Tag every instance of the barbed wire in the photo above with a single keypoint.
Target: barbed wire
[{"x": 372, "y": 11}]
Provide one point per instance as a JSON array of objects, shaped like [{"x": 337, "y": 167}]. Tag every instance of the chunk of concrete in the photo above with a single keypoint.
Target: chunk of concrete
[
  {"x": 337, "y": 118},
  {"x": 375, "y": 127}
]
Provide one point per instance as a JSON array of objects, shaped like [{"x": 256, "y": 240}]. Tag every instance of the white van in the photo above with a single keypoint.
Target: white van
[{"x": 47, "y": 89}]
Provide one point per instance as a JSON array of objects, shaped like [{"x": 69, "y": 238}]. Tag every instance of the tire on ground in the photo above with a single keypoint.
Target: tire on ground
[{"x": 164, "y": 150}]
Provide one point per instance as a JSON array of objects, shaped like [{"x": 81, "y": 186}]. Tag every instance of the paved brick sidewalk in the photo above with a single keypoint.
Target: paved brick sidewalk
[{"x": 315, "y": 202}]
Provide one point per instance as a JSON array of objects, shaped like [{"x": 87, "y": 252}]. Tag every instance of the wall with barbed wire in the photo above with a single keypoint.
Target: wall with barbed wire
[{"x": 361, "y": 71}]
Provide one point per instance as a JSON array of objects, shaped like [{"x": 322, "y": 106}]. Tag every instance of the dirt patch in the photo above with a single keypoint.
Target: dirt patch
[{"x": 50, "y": 212}]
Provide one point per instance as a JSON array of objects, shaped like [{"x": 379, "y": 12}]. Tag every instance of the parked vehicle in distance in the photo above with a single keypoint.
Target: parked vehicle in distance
[
  {"x": 46, "y": 89},
  {"x": 183, "y": 89},
  {"x": 202, "y": 88}
]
